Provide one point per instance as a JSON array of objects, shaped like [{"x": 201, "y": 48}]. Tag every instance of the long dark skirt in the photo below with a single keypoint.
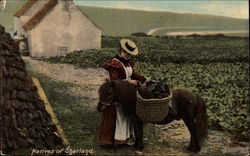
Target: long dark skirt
[{"x": 106, "y": 129}]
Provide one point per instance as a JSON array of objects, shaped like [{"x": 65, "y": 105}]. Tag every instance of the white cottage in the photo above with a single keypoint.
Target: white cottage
[{"x": 55, "y": 28}]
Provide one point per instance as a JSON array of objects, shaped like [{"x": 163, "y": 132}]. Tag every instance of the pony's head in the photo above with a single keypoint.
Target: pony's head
[
  {"x": 117, "y": 93},
  {"x": 106, "y": 95}
]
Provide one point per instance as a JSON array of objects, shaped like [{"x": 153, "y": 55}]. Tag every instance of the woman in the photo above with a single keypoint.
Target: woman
[{"x": 115, "y": 127}]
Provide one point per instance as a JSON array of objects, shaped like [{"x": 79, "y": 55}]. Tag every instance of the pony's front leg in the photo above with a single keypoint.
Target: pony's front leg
[{"x": 138, "y": 130}]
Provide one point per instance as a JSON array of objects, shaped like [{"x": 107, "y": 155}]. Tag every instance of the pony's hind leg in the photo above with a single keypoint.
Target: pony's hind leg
[{"x": 193, "y": 145}]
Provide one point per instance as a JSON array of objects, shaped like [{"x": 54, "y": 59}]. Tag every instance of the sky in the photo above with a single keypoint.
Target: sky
[{"x": 230, "y": 8}]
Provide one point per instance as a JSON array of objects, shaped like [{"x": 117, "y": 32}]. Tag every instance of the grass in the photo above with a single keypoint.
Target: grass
[{"x": 117, "y": 22}]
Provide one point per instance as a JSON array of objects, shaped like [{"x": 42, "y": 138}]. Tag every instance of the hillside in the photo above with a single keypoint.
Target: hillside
[
  {"x": 123, "y": 21},
  {"x": 117, "y": 22}
]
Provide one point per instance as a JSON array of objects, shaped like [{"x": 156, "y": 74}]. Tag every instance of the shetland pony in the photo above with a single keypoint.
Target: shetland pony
[{"x": 186, "y": 105}]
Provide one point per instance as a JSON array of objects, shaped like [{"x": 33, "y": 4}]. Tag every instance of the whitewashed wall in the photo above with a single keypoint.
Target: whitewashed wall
[
  {"x": 65, "y": 29},
  {"x": 17, "y": 25}
]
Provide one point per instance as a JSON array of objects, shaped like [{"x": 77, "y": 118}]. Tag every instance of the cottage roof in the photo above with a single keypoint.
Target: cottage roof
[
  {"x": 25, "y": 8},
  {"x": 37, "y": 18},
  {"x": 40, "y": 14},
  {"x": 88, "y": 17}
]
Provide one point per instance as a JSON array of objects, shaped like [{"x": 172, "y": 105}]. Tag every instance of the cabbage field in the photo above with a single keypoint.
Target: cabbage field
[{"x": 216, "y": 67}]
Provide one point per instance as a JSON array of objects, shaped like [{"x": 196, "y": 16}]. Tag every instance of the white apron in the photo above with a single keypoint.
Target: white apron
[{"x": 124, "y": 127}]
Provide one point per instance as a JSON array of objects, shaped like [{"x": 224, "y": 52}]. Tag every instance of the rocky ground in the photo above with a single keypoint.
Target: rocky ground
[{"x": 172, "y": 138}]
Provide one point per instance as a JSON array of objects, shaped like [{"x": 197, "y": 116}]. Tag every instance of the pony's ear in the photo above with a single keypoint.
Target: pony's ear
[{"x": 113, "y": 84}]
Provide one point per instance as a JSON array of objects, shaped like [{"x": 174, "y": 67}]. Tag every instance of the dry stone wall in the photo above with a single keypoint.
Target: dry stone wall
[{"x": 24, "y": 122}]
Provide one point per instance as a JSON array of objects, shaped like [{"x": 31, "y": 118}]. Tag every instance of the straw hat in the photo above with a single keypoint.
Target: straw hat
[{"x": 129, "y": 46}]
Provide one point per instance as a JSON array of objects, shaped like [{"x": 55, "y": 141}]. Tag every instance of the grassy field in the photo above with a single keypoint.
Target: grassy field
[
  {"x": 117, "y": 22},
  {"x": 125, "y": 22},
  {"x": 215, "y": 67}
]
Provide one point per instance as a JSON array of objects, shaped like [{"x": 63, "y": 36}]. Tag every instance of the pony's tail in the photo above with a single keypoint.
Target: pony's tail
[{"x": 201, "y": 121}]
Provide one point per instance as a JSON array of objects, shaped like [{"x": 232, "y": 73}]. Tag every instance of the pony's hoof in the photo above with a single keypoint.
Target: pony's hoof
[
  {"x": 196, "y": 149},
  {"x": 193, "y": 149},
  {"x": 138, "y": 147},
  {"x": 138, "y": 152},
  {"x": 190, "y": 148}
]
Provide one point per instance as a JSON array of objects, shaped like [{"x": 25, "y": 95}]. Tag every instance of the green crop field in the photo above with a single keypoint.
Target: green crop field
[{"x": 216, "y": 67}]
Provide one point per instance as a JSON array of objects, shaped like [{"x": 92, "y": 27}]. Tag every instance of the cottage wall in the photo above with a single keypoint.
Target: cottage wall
[
  {"x": 17, "y": 25},
  {"x": 65, "y": 29},
  {"x": 20, "y": 21}
]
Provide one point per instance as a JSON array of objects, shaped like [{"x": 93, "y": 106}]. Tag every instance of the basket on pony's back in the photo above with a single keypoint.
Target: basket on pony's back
[{"x": 152, "y": 109}]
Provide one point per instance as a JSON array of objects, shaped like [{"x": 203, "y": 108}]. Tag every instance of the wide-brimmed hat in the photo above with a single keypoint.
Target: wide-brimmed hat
[{"x": 129, "y": 46}]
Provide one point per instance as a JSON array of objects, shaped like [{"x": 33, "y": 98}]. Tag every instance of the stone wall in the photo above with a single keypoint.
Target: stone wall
[{"x": 24, "y": 122}]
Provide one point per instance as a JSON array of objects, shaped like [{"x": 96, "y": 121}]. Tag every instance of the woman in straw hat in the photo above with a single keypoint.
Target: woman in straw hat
[{"x": 115, "y": 127}]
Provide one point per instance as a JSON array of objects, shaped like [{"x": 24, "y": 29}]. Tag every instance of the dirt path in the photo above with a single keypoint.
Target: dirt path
[
  {"x": 172, "y": 139},
  {"x": 86, "y": 81},
  {"x": 68, "y": 73},
  {"x": 176, "y": 136}
]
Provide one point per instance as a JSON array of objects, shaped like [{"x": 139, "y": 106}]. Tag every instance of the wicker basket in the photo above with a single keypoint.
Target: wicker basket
[{"x": 152, "y": 110}]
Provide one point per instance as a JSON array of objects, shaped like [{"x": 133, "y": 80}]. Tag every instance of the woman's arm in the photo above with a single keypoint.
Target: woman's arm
[
  {"x": 111, "y": 64},
  {"x": 136, "y": 76},
  {"x": 114, "y": 68}
]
